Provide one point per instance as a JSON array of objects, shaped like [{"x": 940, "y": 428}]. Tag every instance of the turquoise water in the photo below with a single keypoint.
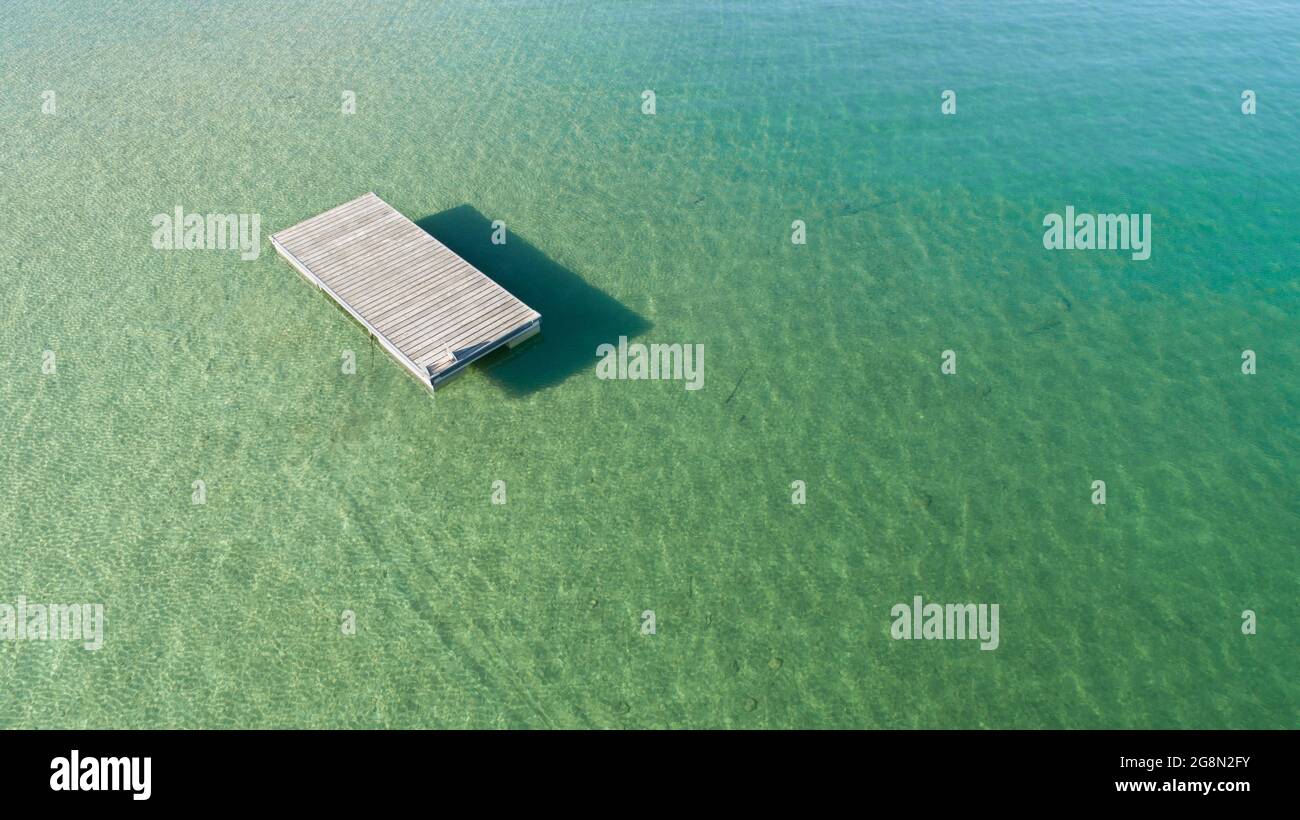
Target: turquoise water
[{"x": 327, "y": 491}]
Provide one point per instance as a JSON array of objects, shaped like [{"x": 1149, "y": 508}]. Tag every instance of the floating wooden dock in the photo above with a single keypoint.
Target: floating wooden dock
[{"x": 431, "y": 310}]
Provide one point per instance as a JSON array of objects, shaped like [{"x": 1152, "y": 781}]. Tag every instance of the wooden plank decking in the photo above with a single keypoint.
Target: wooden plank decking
[{"x": 431, "y": 310}]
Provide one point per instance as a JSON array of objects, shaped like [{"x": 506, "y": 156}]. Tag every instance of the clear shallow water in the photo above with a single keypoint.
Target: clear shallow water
[{"x": 329, "y": 492}]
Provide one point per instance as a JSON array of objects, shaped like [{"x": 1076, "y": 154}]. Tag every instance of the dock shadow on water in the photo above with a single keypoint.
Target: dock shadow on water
[{"x": 576, "y": 317}]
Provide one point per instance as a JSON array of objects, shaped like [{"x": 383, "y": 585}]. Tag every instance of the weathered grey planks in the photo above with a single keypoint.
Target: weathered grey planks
[{"x": 433, "y": 311}]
